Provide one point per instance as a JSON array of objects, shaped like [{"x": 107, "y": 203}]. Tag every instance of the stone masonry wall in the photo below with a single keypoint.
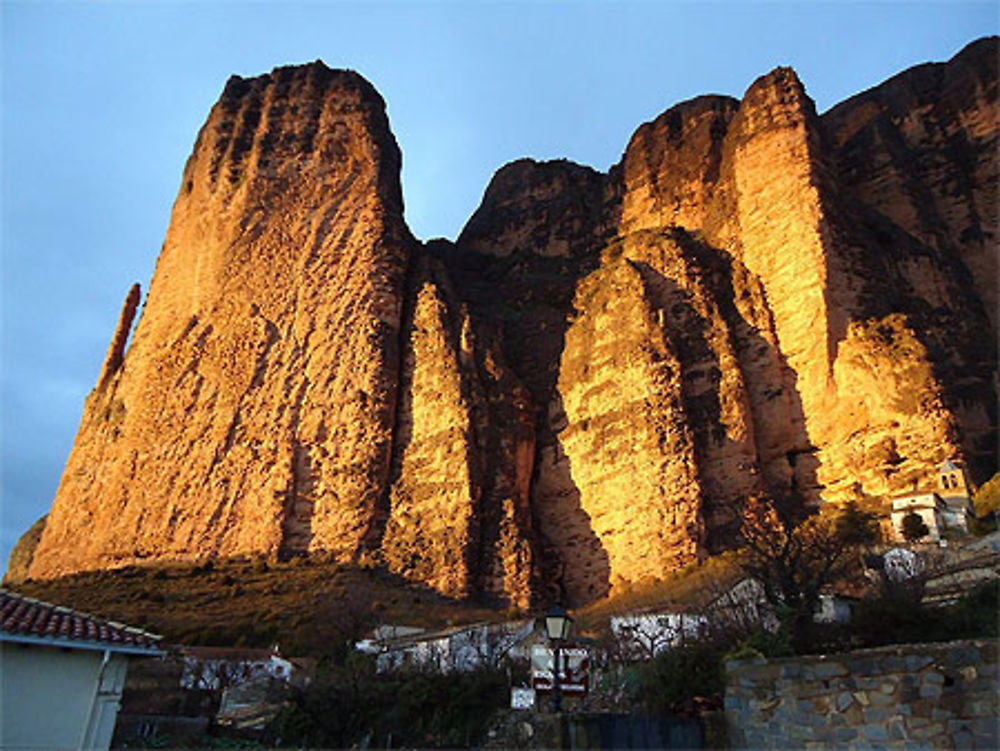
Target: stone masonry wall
[{"x": 920, "y": 696}]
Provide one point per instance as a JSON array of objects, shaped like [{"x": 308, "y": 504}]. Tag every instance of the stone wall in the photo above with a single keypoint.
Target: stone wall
[{"x": 920, "y": 696}]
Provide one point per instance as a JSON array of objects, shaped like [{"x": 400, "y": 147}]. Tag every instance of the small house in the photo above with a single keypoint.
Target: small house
[
  {"x": 743, "y": 606},
  {"x": 218, "y": 668},
  {"x": 834, "y": 607},
  {"x": 900, "y": 564},
  {"x": 458, "y": 648},
  {"x": 644, "y": 635},
  {"x": 191, "y": 688},
  {"x": 62, "y": 673},
  {"x": 928, "y": 506},
  {"x": 947, "y": 507}
]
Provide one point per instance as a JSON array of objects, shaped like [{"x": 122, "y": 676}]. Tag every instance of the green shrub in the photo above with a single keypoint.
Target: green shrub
[
  {"x": 987, "y": 498},
  {"x": 983, "y": 525},
  {"x": 897, "y": 616},
  {"x": 914, "y": 527},
  {"x": 766, "y": 644},
  {"x": 350, "y": 706},
  {"x": 976, "y": 615},
  {"x": 675, "y": 677}
]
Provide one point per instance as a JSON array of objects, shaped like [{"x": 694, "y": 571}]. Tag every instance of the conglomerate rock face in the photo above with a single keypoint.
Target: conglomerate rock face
[
  {"x": 254, "y": 408},
  {"x": 581, "y": 391},
  {"x": 922, "y": 150}
]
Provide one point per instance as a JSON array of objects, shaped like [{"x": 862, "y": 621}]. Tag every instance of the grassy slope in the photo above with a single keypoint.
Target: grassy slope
[
  {"x": 306, "y": 606},
  {"x": 313, "y": 607},
  {"x": 690, "y": 588}
]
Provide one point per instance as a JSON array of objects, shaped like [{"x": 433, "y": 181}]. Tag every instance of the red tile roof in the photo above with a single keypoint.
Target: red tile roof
[{"x": 27, "y": 619}]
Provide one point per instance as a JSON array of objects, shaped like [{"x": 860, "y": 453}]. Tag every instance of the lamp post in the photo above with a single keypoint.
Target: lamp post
[{"x": 557, "y": 626}]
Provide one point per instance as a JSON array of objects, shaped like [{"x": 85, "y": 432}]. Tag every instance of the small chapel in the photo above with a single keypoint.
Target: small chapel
[{"x": 948, "y": 506}]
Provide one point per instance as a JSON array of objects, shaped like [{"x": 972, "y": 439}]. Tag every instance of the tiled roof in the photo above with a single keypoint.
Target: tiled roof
[{"x": 27, "y": 619}]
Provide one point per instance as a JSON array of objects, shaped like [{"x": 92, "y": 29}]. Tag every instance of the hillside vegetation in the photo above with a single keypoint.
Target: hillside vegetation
[{"x": 304, "y": 605}]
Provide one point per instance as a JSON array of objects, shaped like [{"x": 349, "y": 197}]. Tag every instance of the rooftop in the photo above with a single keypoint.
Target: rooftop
[
  {"x": 27, "y": 620},
  {"x": 914, "y": 498},
  {"x": 229, "y": 654}
]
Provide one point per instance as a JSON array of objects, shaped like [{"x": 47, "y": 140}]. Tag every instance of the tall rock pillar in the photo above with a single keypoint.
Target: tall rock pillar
[{"x": 253, "y": 412}]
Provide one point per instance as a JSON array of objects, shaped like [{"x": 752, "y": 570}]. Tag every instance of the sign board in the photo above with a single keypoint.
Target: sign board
[
  {"x": 522, "y": 698},
  {"x": 574, "y": 669}
]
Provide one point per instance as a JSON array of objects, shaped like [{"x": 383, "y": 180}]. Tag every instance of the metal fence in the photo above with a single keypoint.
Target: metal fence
[{"x": 626, "y": 731}]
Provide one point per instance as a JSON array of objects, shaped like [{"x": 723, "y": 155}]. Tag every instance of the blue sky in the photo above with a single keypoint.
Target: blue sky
[{"x": 101, "y": 102}]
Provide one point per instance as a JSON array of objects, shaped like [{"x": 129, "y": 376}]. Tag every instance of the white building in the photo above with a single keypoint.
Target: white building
[
  {"x": 218, "y": 668},
  {"x": 834, "y": 608},
  {"x": 61, "y": 674},
  {"x": 947, "y": 507},
  {"x": 928, "y": 506},
  {"x": 640, "y": 636},
  {"x": 742, "y": 606},
  {"x": 460, "y": 648},
  {"x": 955, "y": 490},
  {"x": 901, "y": 564}
]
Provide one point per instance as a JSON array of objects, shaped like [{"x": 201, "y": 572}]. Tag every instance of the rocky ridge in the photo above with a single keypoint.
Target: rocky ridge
[{"x": 578, "y": 393}]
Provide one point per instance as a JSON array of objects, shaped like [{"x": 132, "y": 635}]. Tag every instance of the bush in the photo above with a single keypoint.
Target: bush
[
  {"x": 766, "y": 644},
  {"x": 914, "y": 527},
  {"x": 897, "y": 616},
  {"x": 983, "y": 525},
  {"x": 987, "y": 498},
  {"x": 351, "y": 705},
  {"x": 976, "y": 615},
  {"x": 674, "y": 678}
]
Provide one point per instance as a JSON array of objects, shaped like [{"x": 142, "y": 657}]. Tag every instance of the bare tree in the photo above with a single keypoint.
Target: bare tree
[
  {"x": 219, "y": 674},
  {"x": 642, "y": 636},
  {"x": 795, "y": 561}
]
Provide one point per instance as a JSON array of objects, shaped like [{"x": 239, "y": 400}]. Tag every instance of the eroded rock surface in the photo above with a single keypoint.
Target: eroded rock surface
[
  {"x": 253, "y": 411},
  {"x": 922, "y": 149},
  {"x": 19, "y": 563}
]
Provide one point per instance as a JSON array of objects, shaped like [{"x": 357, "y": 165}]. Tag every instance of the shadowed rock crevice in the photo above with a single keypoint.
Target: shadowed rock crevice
[
  {"x": 575, "y": 565},
  {"x": 515, "y": 267},
  {"x": 784, "y": 456},
  {"x": 296, "y": 523},
  {"x": 504, "y": 428},
  {"x": 720, "y": 459}
]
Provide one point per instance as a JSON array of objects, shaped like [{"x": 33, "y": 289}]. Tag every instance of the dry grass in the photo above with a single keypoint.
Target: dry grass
[
  {"x": 306, "y": 606},
  {"x": 691, "y": 587},
  {"x": 311, "y": 607}
]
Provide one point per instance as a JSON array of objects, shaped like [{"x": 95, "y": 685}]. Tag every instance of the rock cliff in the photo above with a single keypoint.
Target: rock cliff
[
  {"x": 253, "y": 410},
  {"x": 579, "y": 392}
]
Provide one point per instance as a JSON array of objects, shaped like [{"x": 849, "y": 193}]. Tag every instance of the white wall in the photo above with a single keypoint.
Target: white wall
[
  {"x": 464, "y": 650},
  {"x": 643, "y": 635},
  {"x": 47, "y": 696}
]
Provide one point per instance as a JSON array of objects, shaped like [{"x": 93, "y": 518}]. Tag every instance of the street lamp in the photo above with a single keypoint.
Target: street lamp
[{"x": 557, "y": 626}]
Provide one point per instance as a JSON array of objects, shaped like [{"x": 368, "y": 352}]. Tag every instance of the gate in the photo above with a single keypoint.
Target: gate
[{"x": 588, "y": 732}]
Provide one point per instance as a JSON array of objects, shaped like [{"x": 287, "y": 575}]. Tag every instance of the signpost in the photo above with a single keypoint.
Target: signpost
[
  {"x": 522, "y": 698},
  {"x": 574, "y": 669}
]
